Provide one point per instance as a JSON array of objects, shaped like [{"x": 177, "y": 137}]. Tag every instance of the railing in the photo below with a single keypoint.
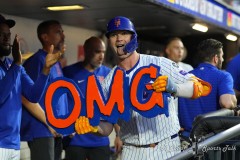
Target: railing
[
  {"x": 203, "y": 125},
  {"x": 212, "y": 141}
]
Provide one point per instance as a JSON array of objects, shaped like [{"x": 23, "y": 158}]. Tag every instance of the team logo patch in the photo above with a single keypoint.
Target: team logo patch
[
  {"x": 183, "y": 72},
  {"x": 175, "y": 65},
  {"x": 100, "y": 78},
  {"x": 117, "y": 22}
]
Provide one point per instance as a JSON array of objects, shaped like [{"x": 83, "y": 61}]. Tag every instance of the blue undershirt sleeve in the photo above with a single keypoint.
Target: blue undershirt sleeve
[
  {"x": 226, "y": 86},
  {"x": 33, "y": 91},
  {"x": 8, "y": 82}
]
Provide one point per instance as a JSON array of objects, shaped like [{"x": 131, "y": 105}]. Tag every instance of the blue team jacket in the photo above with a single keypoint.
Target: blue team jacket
[
  {"x": 31, "y": 127},
  {"x": 14, "y": 82}
]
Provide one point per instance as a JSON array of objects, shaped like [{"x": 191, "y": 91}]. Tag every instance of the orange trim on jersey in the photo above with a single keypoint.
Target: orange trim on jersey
[
  {"x": 62, "y": 123},
  {"x": 156, "y": 98},
  {"x": 116, "y": 96}
]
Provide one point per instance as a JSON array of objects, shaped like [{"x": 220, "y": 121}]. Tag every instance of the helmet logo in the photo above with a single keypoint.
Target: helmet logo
[{"x": 117, "y": 22}]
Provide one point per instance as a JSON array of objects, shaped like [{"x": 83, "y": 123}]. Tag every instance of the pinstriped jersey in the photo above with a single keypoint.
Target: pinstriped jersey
[{"x": 140, "y": 130}]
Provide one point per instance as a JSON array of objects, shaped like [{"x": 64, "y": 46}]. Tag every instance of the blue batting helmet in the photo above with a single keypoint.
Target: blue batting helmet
[{"x": 122, "y": 23}]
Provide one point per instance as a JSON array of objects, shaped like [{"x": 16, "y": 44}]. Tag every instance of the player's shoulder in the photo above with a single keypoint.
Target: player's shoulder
[
  {"x": 185, "y": 66},
  {"x": 156, "y": 60},
  {"x": 72, "y": 68},
  {"x": 218, "y": 72},
  {"x": 220, "y": 75},
  {"x": 110, "y": 74},
  {"x": 150, "y": 58},
  {"x": 225, "y": 74},
  {"x": 236, "y": 58},
  {"x": 8, "y": 59},
  {"x": 36, "y": 59},
  {"x": 106, "y": 68},
  {"x": 234, "y": 61}
]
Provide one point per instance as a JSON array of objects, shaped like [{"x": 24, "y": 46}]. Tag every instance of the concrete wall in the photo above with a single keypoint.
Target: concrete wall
[{"x": 27, "y": 31}]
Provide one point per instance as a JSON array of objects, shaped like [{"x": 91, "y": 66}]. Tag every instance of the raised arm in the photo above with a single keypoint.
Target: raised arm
[
  {"x": 16, "y": 52},
  {"x": 33, "y": 91},
  {"x": 51, "y": 59}
]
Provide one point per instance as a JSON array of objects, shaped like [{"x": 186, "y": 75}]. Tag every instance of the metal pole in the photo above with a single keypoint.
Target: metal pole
[{"x": 212, "y": 141}]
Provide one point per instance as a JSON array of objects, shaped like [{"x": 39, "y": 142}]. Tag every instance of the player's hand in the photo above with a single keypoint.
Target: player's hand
[
  {"x": 163, "y": 83},
  {"x": 72, "y": 135},
  {"x": 53, "y": 132},
  {"x": 83, "y": 126},
  {"x": 51, "y": 59},
  {"x": 16, "y": 53},
  {"x": 118, "y": 144}
]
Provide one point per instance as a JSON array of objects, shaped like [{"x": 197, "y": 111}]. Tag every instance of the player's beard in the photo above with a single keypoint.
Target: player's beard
[
  {"x": 5, "y": 51},
  {"x": 95, "y": 64},
  {"x": 59, "y": 47},
  {"x": 219, "y": 64}
]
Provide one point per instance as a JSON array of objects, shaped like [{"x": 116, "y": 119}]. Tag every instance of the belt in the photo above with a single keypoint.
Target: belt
[{"x": 148, "y": 145}]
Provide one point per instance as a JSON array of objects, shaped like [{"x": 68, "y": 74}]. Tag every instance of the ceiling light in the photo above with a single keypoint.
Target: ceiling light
[
  {"x": 231, "y": 37},
  {"x": 63, "y": 8},
  {"x": 200, "y": 27}
]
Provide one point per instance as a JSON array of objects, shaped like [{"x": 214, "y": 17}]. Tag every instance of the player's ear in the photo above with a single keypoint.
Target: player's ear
[
  {"x": 44, "y": 37},
  {"x": 167, "y": 51},
  {"x": 215, "y": 58}
]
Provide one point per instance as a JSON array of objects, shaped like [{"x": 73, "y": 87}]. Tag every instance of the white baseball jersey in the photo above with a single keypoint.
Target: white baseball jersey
[
  {"x": 140, "y": 130},
  {"x": 9, "y": 154},
  {"x": 185, "y": 66}
]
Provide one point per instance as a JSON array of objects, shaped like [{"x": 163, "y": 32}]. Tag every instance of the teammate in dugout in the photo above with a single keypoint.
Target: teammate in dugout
[
  {"x": 42, "y": 143},
  {"x": 146, "y": 138},
  {"x": 14, "y": 82},
  {"x": 210, "y": 52},
  {"x": 88, "y": 146}
]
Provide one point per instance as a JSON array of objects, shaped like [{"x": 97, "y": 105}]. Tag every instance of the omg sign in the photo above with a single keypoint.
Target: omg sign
[{"x": 121, "y": 99}]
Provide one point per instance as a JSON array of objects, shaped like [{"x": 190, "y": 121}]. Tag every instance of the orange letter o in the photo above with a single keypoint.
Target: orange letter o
[{"x": 62, "y": 123}]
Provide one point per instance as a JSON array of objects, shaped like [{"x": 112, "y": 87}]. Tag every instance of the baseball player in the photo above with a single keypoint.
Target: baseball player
[
  {"x": 14, "y": 82},
  {"x": 222, "y": 95},
  {"x": 176, "y": 52},
  {"x": 88, "y": 145},
  {"x": 41, "y": 142},
  {"x": 148, "y": 138},
  {"x": 233, "y": 67}
]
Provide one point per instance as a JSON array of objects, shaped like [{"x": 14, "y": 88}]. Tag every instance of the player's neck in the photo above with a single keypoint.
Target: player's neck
[
  {"x": 129, "y": 62},
  {"x": 90, "y": 68},
  {"x": 2, "y": 58},
  {"x": 47, "y": 48}
]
